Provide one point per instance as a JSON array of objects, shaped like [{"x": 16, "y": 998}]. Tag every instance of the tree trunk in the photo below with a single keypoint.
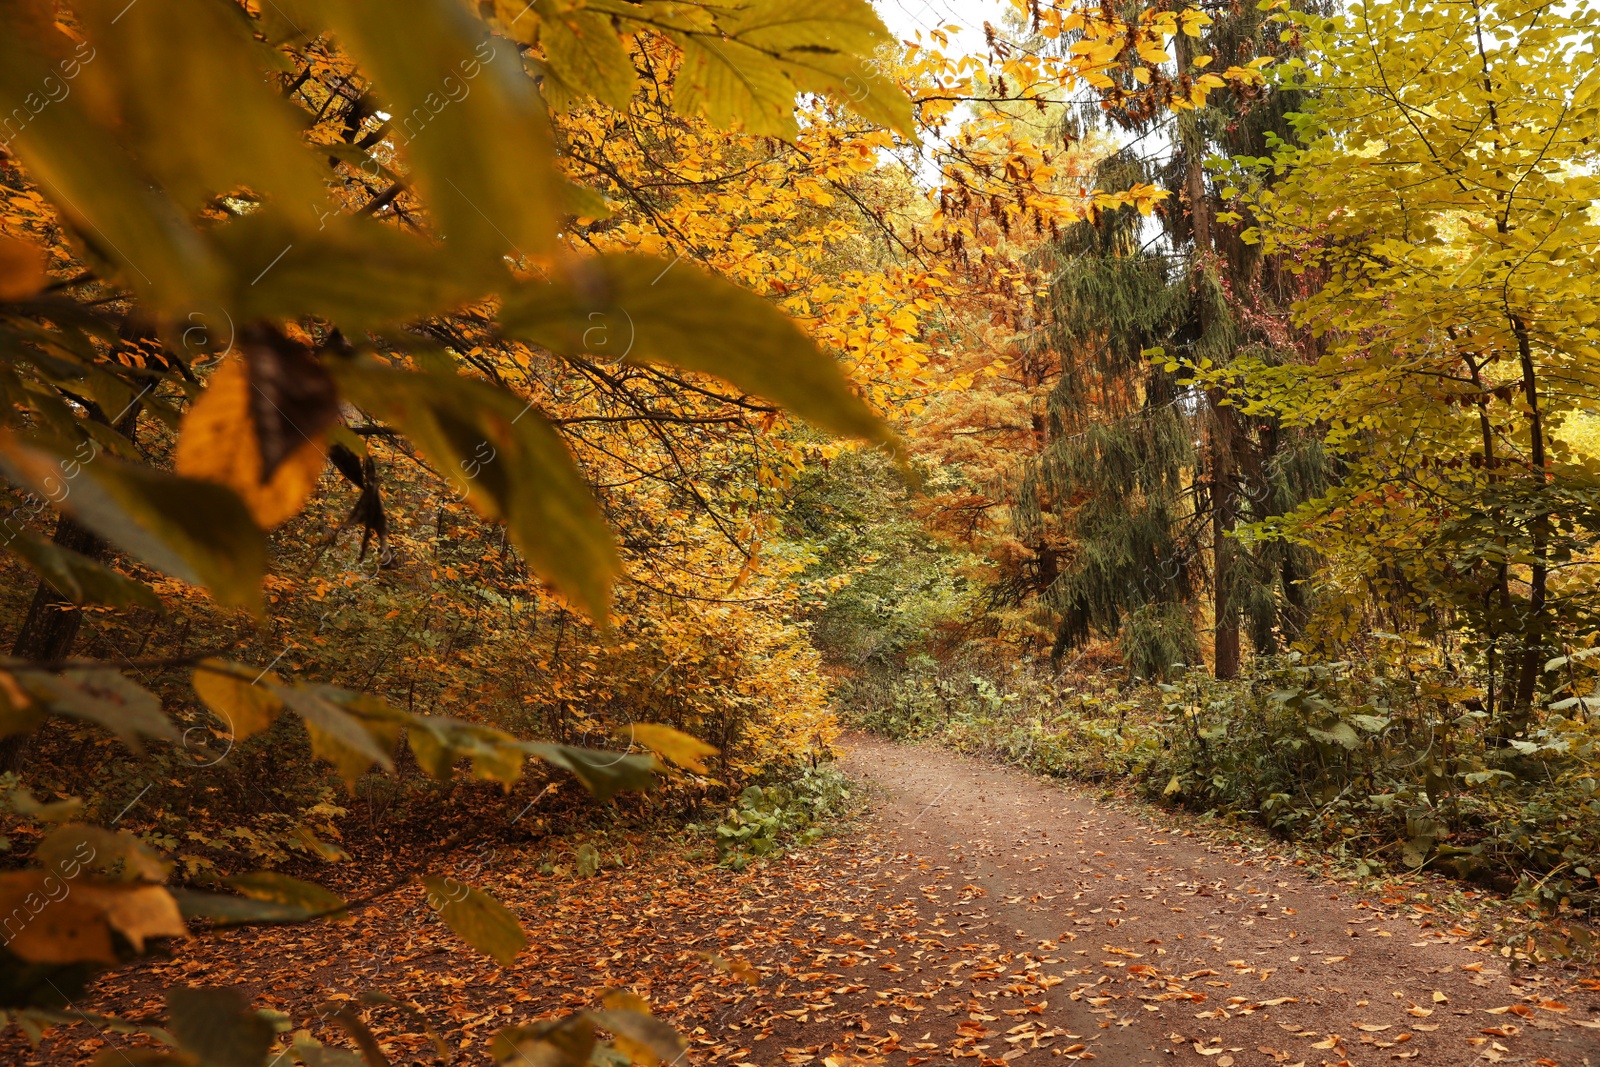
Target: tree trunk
[
  {"x": 1292, "y": 621},
  {"x": 51, "y": 625},
  {"x": 1533, "y": 633},
  {"x": 1224, "y": 504},
  {"x": 52, "y": 622},
  {"x": 1497, "y": 693},
  {"x": 1224, "y": 516},
  {"x": 1519, "y": 707}
]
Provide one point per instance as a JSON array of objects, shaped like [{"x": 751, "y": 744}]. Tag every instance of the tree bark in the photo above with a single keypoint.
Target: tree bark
[
  {"x": 51, "y": 625},
  {"x": 1533, "y": 633},
  {"x": 1502, "y": 585},
  {"x": 1224, "y": 429},
  {"x": 50, "y": 628},
  {"x": 1224, "y": 516}
]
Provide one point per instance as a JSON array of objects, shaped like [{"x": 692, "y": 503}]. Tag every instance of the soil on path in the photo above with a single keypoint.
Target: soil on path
[
  {"x": 1173, "y": 948},
  {"x": 976, "y": 916}
]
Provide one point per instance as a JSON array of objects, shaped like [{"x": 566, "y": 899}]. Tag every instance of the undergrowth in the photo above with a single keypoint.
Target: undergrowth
[
  {"x": 1382, "y": 769},
  {"x": 783, "y": 813}
]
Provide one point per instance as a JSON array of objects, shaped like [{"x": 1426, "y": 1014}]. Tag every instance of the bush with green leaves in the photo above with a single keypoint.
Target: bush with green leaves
[
  {"x": 1387, "y": 764},
  {"x": 767, "y": 818}
]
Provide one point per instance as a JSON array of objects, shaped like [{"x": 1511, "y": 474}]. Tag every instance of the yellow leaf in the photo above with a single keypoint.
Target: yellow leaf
[
  {"x": 675, "y": 745},
  {"x": 193, "y": 530},
  {"x": 622, "y": 1000},
  {"x": 351, "y": 744},
  {"x": 236, "y": 697},
  {"x": 585, "y": 53},
  {"x": 740, "y": 969},
  {"x": 640, "y": 1036},
  {"x": 477, "y": 918},
  {"x": 19, "y": 714},
  {"x": 292, "y": 893}
]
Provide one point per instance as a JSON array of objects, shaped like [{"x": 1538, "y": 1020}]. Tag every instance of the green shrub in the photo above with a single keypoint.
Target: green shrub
[
  {"x": 1386, "y": 764},
  {"x": 767, "y": 818}
]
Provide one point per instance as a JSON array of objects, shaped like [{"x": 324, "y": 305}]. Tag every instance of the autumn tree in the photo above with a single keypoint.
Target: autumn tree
[
  {"x": 193, "y": 258},
  {"x": 1442, "y": 184}
]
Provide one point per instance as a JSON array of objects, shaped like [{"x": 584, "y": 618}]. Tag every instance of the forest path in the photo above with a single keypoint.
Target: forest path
[
  {"x": 1182, "y": 950},
  {"x": 974, "y": 915}
]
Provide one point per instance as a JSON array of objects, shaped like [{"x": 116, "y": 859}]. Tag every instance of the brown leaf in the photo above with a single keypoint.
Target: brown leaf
[
  {"x": 221, "y": 441},
  {"x": 57, "y": 920},
  {"x": 136, "y": 912},
  {"x": 46, "y": 924},
  {"x": 22, "y": 269},
  {"x": 292, "y": 399}
]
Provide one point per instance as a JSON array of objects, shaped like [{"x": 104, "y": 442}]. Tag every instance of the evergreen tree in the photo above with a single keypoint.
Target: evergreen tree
[{"x": 1136, "y": 504}]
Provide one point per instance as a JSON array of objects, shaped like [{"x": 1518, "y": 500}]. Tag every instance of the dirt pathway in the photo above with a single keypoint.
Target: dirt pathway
[
  {"x": 977, "y": 916},
  {"x": 1173, "y": 950}
]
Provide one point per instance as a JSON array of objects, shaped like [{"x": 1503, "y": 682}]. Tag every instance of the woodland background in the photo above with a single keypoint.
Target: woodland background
[{"x": 1225, "y": 375}]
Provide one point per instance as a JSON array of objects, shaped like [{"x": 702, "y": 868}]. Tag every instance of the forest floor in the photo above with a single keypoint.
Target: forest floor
[{"x": 973, "y": 912}]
